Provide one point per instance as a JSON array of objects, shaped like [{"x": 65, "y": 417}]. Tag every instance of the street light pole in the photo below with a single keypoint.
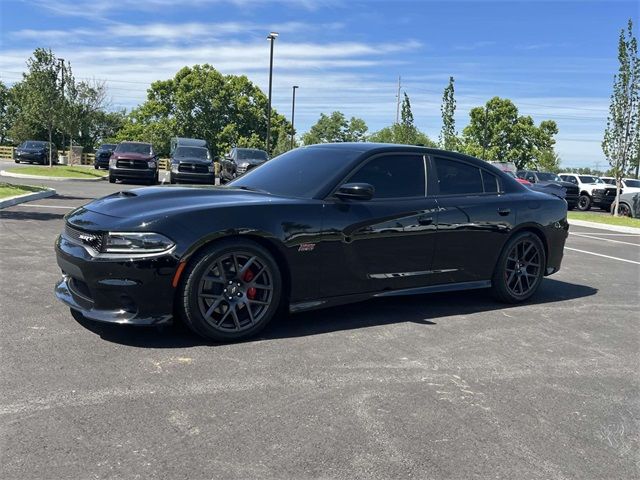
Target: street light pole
[
  {"x": 293, "y": 116},
  {"x": 271, "y": 37},
  {"x": 61, "y": 63}
]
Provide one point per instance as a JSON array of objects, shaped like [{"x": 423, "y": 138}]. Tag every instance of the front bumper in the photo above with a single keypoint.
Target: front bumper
[
  {"x": 31, "y": 157},
  {"x": 102, "y": 162},
  {"x": 206, "y": 178},
  {"x": 135, "y": 291},
  {"x": 133, "y": 173}
]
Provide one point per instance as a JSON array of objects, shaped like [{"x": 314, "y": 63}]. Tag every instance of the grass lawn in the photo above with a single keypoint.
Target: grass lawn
[
  {"x": 60, "y": 171},
  {"x": 7, "y": 190},
  {"x": 608, "y": 219}
]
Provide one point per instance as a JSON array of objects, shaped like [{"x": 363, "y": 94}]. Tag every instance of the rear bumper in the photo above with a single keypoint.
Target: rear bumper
[{"x": 124, "y": 291}]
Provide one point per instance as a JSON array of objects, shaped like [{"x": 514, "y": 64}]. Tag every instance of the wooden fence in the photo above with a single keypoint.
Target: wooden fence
[{"x": 87, "y": 158}]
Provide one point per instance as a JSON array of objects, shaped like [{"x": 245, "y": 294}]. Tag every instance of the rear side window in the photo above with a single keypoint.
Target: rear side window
[
  {"x": 457, "y": 178},
  {"x": 393, "y": 176},
  {"x": 489, "y": 182}
]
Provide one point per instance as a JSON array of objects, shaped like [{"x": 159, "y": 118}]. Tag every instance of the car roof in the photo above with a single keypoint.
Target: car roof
[
  {"x": 372, "y": 147},
  {"x": 133, "y": 141}
]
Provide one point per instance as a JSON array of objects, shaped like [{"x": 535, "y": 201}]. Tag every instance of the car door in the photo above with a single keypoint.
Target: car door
[
  {"x": 386, "y": 242},
  {"x": 474, "y": 220}
]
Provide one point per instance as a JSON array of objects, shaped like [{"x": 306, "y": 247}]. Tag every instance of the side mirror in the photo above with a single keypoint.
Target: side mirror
[{"x": 355, "y": 191}]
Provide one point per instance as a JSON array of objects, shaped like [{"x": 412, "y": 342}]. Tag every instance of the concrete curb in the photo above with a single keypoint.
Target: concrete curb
[
  {"x": 4, "y": 173},
  {"x": 27, "y": 197},
  {"x": 604, "y": 226}
]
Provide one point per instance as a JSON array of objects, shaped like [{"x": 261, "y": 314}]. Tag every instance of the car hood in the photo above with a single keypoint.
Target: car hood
[
  {"x": 132, "y": 156},
  {"x": 31, "y": 150},
  {"x": 251, "y": 161},
  {"x": 197, "y": 160},
  {"x": 554, "y": 182},
  {"x": 153, "y": 202}
]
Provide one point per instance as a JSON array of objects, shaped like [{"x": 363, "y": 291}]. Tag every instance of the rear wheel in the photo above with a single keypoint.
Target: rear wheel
[
  {"x": 231, "y": 290},
  {"x": 520, "y": 268},
  {"x": 584, "y": 202},
  {"x": 623, "y": 209}
]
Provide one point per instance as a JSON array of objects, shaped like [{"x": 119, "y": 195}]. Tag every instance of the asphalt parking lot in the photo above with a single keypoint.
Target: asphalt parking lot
[{"x": 434, "y": 386}]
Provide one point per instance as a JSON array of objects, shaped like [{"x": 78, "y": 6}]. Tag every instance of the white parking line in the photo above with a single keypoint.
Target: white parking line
[
  {"x": 604, "y": 239},
  {"x": 42, "y": 206},
  {"x": 601, "y": 255},
  {"x": 611, "y": 234}
]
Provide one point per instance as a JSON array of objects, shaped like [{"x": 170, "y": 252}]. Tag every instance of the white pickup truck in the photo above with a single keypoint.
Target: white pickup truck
[
  {"x": 629, "y": 185},
  {"x": 593, "y": 191}
]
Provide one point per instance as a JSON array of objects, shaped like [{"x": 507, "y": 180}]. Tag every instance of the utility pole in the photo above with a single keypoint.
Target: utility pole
[
  {"x": 293, "y": 115},
  {"x": 398, "y": 102},
  {"x": 271, "y": 37}
]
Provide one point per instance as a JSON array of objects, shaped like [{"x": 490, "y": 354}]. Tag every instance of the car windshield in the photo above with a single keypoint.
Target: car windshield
[
  {"x": 590, "y": 179},
  {"x": 141, "y": 148},
  {"x": 34, "y": 144},
  {"x": 251, "y": 154},
  {"x": 610, "y": 181},
  {"x": 300, "y": 173},
  {"x": 194, "y": 152},
  {"x": 632, "y": 183},
  {"x": 107, "y": 146},
  {"x": 548, "y": 177}
]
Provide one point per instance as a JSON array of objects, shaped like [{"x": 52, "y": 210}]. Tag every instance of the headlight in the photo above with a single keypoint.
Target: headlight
[
  {"x": 124, "y": 242},
  {"x": 174, "y": 167},
  {"x": 112, "y": 162},
  {"x": 151, "y": 163}
]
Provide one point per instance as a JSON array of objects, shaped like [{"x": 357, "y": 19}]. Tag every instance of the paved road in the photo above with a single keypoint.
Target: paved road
[{"x": 434, "y": 386}]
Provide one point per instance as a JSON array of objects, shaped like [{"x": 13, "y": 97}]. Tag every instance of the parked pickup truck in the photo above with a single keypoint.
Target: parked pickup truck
[
  {"x": 547, "y": 181},
  {"x": 593, "y": 191}
]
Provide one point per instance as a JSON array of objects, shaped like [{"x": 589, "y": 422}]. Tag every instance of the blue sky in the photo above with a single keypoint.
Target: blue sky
[{"x": 555, "y": 59}]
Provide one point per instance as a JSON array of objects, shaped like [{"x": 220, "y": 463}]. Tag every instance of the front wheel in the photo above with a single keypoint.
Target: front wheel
[
  {"x": 231, "y": 290},
  {"x": 112, "y": 179},
  {"x": 520, "y": 269},
  {"x": 584, "y": 202}
]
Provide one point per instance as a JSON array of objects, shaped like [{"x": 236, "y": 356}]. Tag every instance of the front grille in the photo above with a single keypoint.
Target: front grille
[
  {"x": 92, "y": 240},
  {"x": 104, "y": 155},
  {"x": 193, "y": 168},
  {"x": 611, "y": 192},
  {"x": 138, "y": 164}
]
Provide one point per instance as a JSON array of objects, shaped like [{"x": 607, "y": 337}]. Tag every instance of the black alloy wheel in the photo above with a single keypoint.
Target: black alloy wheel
[
  {"x": 623, "y": 209},
  {"x": 520, "y": 268},
  {"x": 584, "y": 202},
  {"x": 231, "y": 290}
]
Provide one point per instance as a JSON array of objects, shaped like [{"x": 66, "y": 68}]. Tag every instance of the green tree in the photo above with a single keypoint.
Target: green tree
[
  {"x": 405, "y": 132},
  {"x": 622, "y": 135},
  {"x": 336, "y": 128},
  {"x": 39, "y": 96},
  {"x": 448, "y": 136},
  {"x": 200, "y": 102},
  {"x": 496, "y": 132},
  {"x": 5, "y": 113}
]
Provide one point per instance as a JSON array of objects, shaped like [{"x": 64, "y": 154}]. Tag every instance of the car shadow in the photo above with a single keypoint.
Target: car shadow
[
  {"x": 421, "y": 309},
  {"x": 30, "y": 215}
]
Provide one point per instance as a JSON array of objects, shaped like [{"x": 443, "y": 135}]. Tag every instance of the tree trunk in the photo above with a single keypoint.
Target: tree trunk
[{"x": 616, "y": 205}]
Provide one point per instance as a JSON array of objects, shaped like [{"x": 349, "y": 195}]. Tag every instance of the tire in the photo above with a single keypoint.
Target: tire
[
  {"x": 96, "y": 167},
  {"x": 17, "y": 161},
  {"x": 584, "y": 202},
  {"x": 112, "y": 179},
  {"x": 204, "y": 304},
  {"x": 571, "y": 206},
  {"x": 172, "y": 180},
  {"x": 520, "y": 268},
  {"x": 623, "y": 210}
]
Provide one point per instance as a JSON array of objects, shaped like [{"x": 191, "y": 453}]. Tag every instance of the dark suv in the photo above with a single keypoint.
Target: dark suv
[
  {"x": 240, "y": 160},
  {"x": 103, "y": 154},
  {"x": 134, "y": 161},
  {"x": 551, "y": 180},
  {"x": 36, "y": 151},
  {"x": 192, "y": 165}
]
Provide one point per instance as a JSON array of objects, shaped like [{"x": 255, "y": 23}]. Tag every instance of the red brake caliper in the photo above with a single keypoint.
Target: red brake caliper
[{"x": 247, "y": 277}]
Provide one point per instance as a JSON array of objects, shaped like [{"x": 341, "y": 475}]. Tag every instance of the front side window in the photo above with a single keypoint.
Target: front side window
[
  {"x": 393, "y": 176},
  {"x": 457, "y": 178}
]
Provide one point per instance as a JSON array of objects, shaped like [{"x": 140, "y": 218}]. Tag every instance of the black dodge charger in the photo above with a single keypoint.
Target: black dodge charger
[{"x": 317, "y": 226}]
